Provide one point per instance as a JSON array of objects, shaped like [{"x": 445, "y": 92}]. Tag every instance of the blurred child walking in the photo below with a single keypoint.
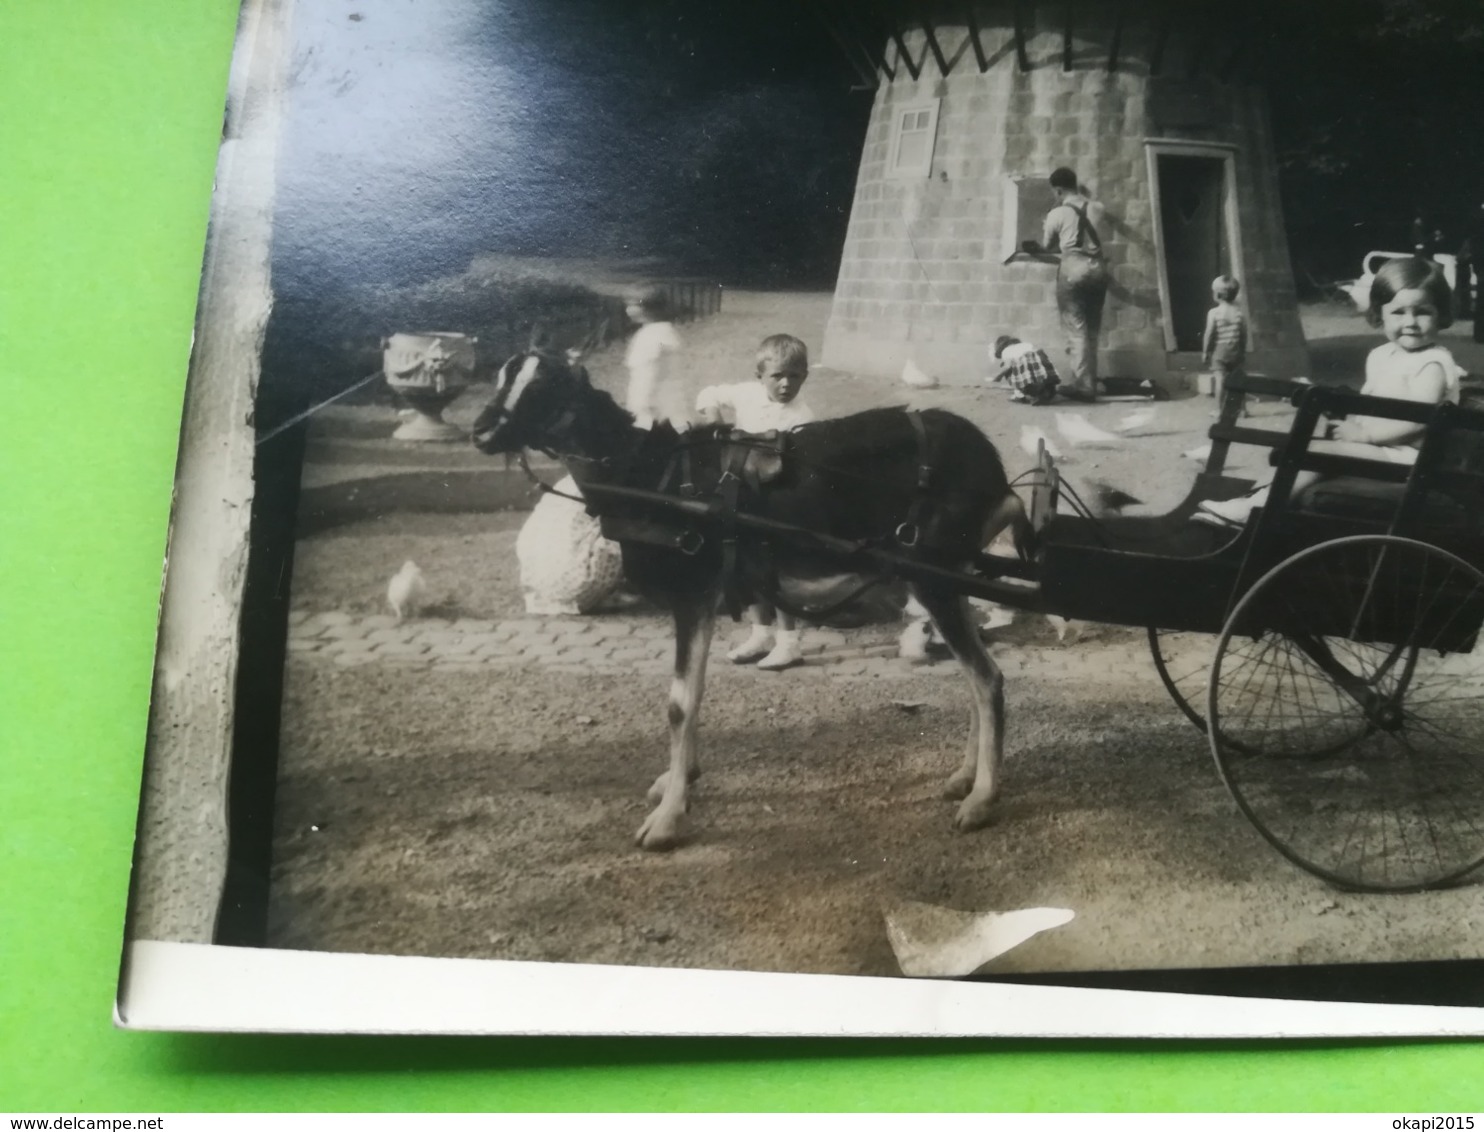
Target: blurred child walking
[{"x": 655, "y": 393}]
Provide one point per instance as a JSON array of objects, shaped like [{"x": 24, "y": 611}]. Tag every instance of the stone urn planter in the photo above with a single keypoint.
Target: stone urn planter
[{"x": 428, "y": 371}]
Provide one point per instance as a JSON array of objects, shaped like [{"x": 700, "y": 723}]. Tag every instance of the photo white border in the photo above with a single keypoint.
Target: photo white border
[{"x": 182, "y": 986}]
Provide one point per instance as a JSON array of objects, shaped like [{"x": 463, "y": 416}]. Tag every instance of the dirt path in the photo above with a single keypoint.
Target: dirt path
[
  {"x": 468, "y": 785},
  {"x": 488, "y": 812}
]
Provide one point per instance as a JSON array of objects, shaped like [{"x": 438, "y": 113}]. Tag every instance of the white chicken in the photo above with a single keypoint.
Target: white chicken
[
  {"x": 406, "y": 590},
  {"x": 1077, "y": 429},
  {"x": 913, "y": 375},
  {"x": 1031, "y": 437},
  {"x": 1064, "y": 627},
  {"x": 1137, "y": 420}
]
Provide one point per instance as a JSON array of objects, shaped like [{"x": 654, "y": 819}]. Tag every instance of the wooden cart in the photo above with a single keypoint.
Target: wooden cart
[{"x": 1326, "y": 648}]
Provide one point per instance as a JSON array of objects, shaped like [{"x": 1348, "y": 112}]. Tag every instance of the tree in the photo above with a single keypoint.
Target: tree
[{"x": 1372, "y": 104}]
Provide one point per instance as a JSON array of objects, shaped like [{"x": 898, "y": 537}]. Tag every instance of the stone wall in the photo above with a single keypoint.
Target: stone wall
[{"x": 923, "y": 274}]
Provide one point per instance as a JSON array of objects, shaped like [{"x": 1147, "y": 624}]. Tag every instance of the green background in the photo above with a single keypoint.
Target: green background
[{"x": 109, "y": 117}]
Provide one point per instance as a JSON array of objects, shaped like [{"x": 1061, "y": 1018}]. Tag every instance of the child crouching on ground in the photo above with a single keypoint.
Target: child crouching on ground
[
  {"x": 770, "y": 402},
  {"x": 1028, "y": 369}
]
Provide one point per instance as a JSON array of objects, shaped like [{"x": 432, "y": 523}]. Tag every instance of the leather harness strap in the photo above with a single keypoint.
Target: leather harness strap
[
  {"x": 679, "y": 466},
  {"x": 909, "y": 532},
  {"x": 738, "y": 458},
  {"x": 729, "y": 490},
  {"x": 687, "y": 473},
  {"x": 734, "y": 480}
]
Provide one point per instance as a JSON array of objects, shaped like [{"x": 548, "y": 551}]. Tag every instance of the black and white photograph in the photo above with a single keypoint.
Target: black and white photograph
[{"x": 903, "y": 489}]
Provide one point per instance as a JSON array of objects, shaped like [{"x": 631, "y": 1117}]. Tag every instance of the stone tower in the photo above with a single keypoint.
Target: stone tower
[{"x": 1166, "y": 132}]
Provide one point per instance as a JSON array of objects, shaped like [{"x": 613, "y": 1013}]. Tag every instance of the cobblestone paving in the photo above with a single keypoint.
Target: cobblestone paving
[{"x": 619, "y": 644}]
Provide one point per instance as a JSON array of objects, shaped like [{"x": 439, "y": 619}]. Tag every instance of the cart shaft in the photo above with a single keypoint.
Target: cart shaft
[{"x": 986, "y": 580}]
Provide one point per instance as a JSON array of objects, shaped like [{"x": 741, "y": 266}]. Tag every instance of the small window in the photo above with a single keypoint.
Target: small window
[
  {"x": 1027, "y": 201},
  {"x": 914, "y": 131}
]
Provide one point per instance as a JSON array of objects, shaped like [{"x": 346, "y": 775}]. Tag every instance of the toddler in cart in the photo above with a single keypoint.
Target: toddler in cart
[
  {"x": 769, "y": 402},
  {"x": 1410, "y": 302}
]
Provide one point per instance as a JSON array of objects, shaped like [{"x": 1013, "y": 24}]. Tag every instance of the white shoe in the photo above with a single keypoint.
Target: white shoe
[
  {"x": 1230, "y": 512},
  {"x": 786, "y": 653},
  {"x": 755, "y": 647},
  {"x": 1199, "y": 516}
]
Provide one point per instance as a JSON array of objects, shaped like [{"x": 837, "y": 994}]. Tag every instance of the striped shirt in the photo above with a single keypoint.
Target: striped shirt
[{"x": 1226, "y": 335}]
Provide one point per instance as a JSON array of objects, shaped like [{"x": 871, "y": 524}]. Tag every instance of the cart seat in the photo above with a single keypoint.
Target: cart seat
[{"x": 1373, "y": 501}]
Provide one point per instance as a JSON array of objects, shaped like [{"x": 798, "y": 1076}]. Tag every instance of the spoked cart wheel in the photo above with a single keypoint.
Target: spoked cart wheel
[
  {"x": 1347, "y": 712},
  {"x": 1183, "y": 661}
]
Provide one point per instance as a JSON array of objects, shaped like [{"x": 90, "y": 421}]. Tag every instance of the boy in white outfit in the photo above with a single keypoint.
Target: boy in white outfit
[
  {"x": 770, "y": 402},
  {"x": 655, "y": 390}
]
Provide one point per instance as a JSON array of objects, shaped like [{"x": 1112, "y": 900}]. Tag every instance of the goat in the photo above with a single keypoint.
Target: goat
[{"x": 866, "y": 479}]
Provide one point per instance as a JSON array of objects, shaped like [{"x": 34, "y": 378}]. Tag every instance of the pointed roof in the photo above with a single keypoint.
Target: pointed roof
[{"x": 872, "y": 35}]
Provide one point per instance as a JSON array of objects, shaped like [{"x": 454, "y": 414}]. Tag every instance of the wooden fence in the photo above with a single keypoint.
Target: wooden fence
[{"x": 604, "y": 315}]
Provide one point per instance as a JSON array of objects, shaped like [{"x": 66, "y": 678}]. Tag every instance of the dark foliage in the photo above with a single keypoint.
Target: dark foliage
[{"x": 1376, "y": 106}]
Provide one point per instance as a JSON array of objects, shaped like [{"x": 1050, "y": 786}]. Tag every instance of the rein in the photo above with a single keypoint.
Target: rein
[
  {"x": 1079, "y": 508},
  {"x": 768, "y": 586},
  {"x": 541, "y": 485}
]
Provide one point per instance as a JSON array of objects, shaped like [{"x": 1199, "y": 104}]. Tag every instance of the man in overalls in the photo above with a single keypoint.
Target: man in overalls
[{"x": 1081, "y": 281}]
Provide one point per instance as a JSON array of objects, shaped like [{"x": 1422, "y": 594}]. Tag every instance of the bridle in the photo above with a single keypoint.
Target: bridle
[{"x": 559, "y": 419}]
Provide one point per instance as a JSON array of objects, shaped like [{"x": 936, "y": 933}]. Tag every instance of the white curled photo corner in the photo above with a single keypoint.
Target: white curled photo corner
[{"x": 945, "y": 943}]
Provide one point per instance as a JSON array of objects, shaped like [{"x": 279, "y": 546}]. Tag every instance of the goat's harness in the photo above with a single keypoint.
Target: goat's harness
[{"x": 750, "y": 464}]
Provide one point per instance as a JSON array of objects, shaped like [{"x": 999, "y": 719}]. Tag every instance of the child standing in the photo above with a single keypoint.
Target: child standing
[
  {"x": 654, "y": 392},
  {"x": 1410, "y": 302},
  {"x": 1027, "y": 368},
  {"x": 1224, "y": 347},
  {"x": 770, "y": 402}
]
